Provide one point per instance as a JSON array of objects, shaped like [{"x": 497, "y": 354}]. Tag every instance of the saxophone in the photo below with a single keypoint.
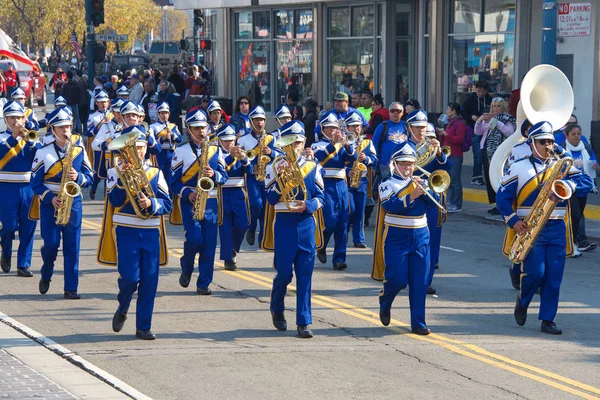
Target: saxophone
[
  {"x": 358, "y": 167},
  {"x": 68, "y": 189},
  {"x": 130, "y": 169},
  {"x": 554, "y": 190},
  {"x": 204, "y": 184},
  {"x": 260, "y": 171}
]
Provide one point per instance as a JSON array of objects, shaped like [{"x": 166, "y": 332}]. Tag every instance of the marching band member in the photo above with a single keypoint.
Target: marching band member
[
  {"x": 137, "y": 245},
  {"x": 130, "y": 112},
  {"x": 294, "y": 234},
  {"x": 282, "y": 116},
  {"x": 333, "y": 152},
  {"x": 108, "y": 132},
  {"x": 31, "y": 122},
  {"x": 186, "y": 170},
  {"x": 167, "y": 135},
  {"x": 94, "y": 123},
  {"x": 401, "y": 245},
  {"x": 213, "y": 110},
  {"x": 123, "y": 92},
  {"x": 358, "y": 195},
  {"x": 59, "y": 102},
  {"x": 262, "y": 144},
  {"x": 544, "y": 265},
  {"x": 234, "y": 204},
  {"x": 16, "y": 156},
  {"x": 48, "y": 181}
]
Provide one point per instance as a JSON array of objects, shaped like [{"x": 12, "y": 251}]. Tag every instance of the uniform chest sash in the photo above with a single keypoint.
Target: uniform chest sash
[
  {"x": 194, "y": 168},
  {"x": 12, "y": 153}
]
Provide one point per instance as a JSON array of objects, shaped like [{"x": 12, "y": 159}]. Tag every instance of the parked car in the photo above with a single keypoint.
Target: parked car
[{"x": 33, "y": 83}]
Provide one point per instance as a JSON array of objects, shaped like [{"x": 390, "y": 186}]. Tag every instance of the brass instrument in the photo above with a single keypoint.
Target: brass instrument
[
  {"x": 204, "y": 184},
  {"x": 260, "y": 170},
  {"x": 426, "y": 153},
  {"x": 358, "y": 167},
  {"x": 130, "y": 169},
  {"x": 438, "y": 181},
  {"x": 290, "y": 180},
  {"x": 554, "y": 190},
  {"x": 237, "y": 155},
  {"x": 29, "y": 135},
  {"x": 447, "y": 151},
  {"x": 68, "y": 189}
]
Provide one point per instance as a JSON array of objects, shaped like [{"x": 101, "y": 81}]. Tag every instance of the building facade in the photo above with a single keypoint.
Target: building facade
[{"x": 431, "y": 50}]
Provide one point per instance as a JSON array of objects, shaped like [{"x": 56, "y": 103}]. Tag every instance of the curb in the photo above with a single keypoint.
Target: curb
[{"x": 73, "y": 358}]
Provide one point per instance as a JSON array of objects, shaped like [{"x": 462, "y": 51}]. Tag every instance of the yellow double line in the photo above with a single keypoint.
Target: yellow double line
[{"x": 456, "y": 346}]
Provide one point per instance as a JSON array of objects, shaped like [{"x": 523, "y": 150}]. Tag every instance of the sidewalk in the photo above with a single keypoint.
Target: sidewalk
[{"x": 30, "y": 370}]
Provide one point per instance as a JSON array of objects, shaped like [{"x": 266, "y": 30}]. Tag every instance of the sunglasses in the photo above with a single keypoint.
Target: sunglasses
[
  {"x": 545, "y": 142},
  {"x": 243, "y": 103},
  {"x": 497, "y": 99},
  {"x": 396, "y": 110}
]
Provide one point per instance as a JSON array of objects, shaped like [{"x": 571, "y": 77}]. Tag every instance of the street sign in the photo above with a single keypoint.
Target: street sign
[{"x": 113, "y": 37}]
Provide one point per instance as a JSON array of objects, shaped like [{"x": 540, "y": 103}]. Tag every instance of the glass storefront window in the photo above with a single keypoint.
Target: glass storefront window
[
  {"x": 304, "y": 24},
  {"x": 352, "y": 68},
  {"x": 254, "y": 77},
  {"x": 403, "y": 19},
  {"x": 294, "y": 69},
  {"x": 262, "y": 25},
  {"x": 339, "y": 22},
  {"x": 284, "y": 24},
  {"x": 403, "y": 58},
  {"x": 466, "y": 16},
  {"x": 243, "y": 23},
  {"x": 363, "y": 20},
  {"x": 481, "y": 58},
  {"x": 499, "y": 16}
]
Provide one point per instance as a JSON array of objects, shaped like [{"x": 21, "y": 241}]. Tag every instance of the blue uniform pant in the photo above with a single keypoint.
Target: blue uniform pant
[
  {"x": 99, "y": 168},
  {"x": 294, "y": 251},
  {"x": 335, "y": 215},
  {"x": 200, "y": 237},
  {"x": 15, "y": 202},
  {"x": 543, "y": 267},
  {"x": 256, "y": 199},
  {"x": 435, "y": 240},
  {"x": 406, "y": 253},
  {"x": 235, "y": 221},
  {"x": 71, "y": 235},
  {"x": 164, "y": 159},
  {"x": 358, "y": 202},
  {"x": 138, "y": 251}
]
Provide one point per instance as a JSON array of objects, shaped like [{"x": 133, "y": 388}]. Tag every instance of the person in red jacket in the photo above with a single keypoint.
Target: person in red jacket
[
  {"x": 453, "y": 136},
  {"x": 378, "y": 114},
  {"x": 12, "y": 80},
  {"x": 58, "y": 80}
]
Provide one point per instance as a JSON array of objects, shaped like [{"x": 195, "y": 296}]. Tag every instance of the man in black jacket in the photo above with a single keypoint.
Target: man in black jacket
[
  {"x": 84, "y": 100},
  {"x": 72, "y": 94},
  {"x": 310, "y": 120}
]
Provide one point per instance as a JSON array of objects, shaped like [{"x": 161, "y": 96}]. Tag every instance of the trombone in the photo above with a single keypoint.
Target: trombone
[{"x": 438, "y": 181}]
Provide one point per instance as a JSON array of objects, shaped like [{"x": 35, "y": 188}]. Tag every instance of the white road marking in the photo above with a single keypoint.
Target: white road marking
[{"x": 452, "y": 249}]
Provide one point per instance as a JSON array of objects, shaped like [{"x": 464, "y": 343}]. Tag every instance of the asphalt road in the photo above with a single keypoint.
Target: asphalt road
[{"x": 224, "y": 346}]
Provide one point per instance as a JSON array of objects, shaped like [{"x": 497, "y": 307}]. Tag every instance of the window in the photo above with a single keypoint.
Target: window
[
  {"x": 482, "y": 44},
  {"x": 253, "y": 66}
]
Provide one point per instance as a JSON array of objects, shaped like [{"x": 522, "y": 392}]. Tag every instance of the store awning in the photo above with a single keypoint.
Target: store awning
[{"x": 211, "y": 4}]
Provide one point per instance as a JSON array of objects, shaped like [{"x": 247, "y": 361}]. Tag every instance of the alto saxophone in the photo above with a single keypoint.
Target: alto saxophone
[
  {"x": 204, "y": 184},
  {"x": 68, "y": 189},
  {"x": 260, "y": 171},
  {"x": 357, "y": 168},
  {"x": 553, "y": 190}
]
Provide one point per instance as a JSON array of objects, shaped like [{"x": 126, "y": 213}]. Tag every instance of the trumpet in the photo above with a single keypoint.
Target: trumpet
[
  {"x": 438, "y": 181},
  {"x": 30, "y": 135},
  {"x": 237, "y": 155},
  {"x": 447, "y": 151}
]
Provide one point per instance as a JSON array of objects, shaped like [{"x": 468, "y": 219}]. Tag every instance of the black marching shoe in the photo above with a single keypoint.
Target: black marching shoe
[
  {"x": 119, "y": 320},
  {"x": 385, "y": 317},
  {"x": 421, "y": 331},
  {"x": 304, "y": 332},
  {"x": 340, "y": 266},
  {"x": 25, "y": 272},
  {"x": 230, "y": 266},
  {"x": 494, "y": 211},
  {"x": 92, "y": 194},
  {"x": 234, "y": 258},
  {"x": 322, "y": 255},
  {"x": 203, "y": 291},
  {"x": 279, "y": 321},
  {"x": 5, "y": 265},
  {"x": 436, "y": 266},
  {"x": 431, "y": 290},
  {"x": 550, "y": 327},
  {"x": 250, "y": 238},
  {"x": 145, "y": 335},
  {"x": 360, "y": 246},
  {"x": 515, "y": 279},
  {"x": 184, "y": 279},
  {"x": 72, "y": 295},
  {"x": 520, "y": 313},
  {"x": 44, "y": 286}
]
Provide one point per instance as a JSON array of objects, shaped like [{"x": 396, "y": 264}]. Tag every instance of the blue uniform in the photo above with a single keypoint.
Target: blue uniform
[
  {"x": 294, "y": 240},
  {"x": 138, "y": 244},
  {"x": 358, "y": 196},
  {"x": 16, "y": 157},
  {"x": 165, "y": 157},
  {"x": 32, "y": 122},
  {"x": 256, "y": 188},
  {"x": 340, "y": 115},
  {"x": 200, "y": 236},
  {"x": 544, "y": 265},
  {"x": 47, "y": 174},
  {"x": 109, "y": 131},
  {"x": 405, "y": 242},
  {"x": 234, "y": 203},
  {"x": 333, "y": 159},
  {"x": 93, "y": 127}
]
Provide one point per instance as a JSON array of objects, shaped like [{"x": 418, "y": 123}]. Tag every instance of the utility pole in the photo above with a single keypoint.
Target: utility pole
[
  {"x": 91, "y": 44},
  {"x": 549, "y": 29}
]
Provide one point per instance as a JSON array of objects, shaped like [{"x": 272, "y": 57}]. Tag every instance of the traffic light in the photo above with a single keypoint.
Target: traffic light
[
  {"x": 97, "y": 12},
  {"x": 199, "y": 18},
  {"x": 205, "y": 45},
  {"x": 99, "y": 52}
]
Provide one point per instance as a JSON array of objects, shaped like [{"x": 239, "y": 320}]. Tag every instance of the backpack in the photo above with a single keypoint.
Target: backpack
[{"x": 468, "y": 142}]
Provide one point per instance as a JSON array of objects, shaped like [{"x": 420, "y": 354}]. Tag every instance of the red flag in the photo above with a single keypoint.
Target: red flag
[
  {"x": 9, "y": 49},
  {"x": 246, "y": 62}
]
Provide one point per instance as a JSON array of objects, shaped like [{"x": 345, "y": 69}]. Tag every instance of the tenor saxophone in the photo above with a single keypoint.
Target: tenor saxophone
[
  {"x": 554, "y": 189},
  {"x": 68, "y": 189},
  {"x": 357, "y": 168},
  {"x": 204, "y": 184}
]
